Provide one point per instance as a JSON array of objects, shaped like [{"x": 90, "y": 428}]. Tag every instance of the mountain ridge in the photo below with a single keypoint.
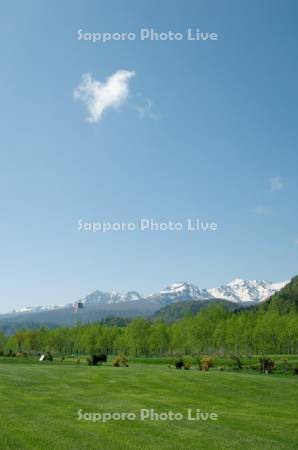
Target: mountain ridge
[{"x": 237, "y": 291}]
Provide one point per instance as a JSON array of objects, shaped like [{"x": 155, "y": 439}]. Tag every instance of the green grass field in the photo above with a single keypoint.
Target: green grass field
[{"x": 39, "y": 404}]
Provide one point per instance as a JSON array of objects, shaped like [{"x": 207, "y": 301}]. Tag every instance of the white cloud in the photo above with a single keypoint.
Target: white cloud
[
  {"x": 276, "y": 184},
  {"x": 145, "y": 109},
  {"x": 263, "y": 210},
  {"x": 98, "y": 96}
]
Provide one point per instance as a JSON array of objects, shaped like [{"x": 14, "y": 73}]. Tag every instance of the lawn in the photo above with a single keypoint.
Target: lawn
[{"x": 39, "y": 404}]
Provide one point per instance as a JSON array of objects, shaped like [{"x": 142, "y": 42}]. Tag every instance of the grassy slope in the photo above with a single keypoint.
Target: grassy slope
[{"x": 39, "y": 404}]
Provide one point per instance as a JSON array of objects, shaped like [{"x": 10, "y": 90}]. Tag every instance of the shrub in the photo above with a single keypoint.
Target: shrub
[
  {"x": 120, "y": 360},
  {"x": 94, "y": 359},
  {"x": 21, "y": 354},
  {"x": 237, "y": 363},
  {"x": 207, "y": 362},
  {"x": 187, "y": 362},
  {"x": 184, "y": 362},
  {"x": 267, "y": 365},
  {"x": 178, "y": 362}
]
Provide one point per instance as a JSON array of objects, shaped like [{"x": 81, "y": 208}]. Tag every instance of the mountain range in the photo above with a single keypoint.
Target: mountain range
[
  {"x": 100, "y": 305},
  {"x": 237, "y": 291}
]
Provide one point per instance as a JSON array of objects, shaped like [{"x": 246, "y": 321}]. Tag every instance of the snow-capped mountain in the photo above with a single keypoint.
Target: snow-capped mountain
[
  {"x": 179, "y": 292},
  {"x": 240, "y": 291},
  {"x": 95, "y": 298},
  {"x": 237, "y": 291},
  {"x": 186, "y": 289},
  {"x": 103, "y": 298},
  {"x": 38, "y": 308}
]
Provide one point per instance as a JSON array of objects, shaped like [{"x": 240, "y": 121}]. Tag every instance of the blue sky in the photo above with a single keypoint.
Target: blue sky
[{"x": 218, "y": 142}]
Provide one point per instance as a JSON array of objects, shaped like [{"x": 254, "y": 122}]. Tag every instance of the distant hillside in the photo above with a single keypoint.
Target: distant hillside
[
  {"x": 284, "y": 301},
  {"x": 177, "y": 311},
  {"x": 9, "y": 323}
]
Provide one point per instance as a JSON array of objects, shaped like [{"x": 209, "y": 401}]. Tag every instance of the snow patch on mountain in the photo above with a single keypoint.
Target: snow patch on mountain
[
  {"x": 239, "y": 290},
  {"x": 185, "y": 288},
  {"x": 179, "y": 292},
  {"x": 28, "y": 309},
  {"x": 105, "y": 298}
]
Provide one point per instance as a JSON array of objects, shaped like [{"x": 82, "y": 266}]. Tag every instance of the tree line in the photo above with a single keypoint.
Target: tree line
[{"x": 212, "y": 330}]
